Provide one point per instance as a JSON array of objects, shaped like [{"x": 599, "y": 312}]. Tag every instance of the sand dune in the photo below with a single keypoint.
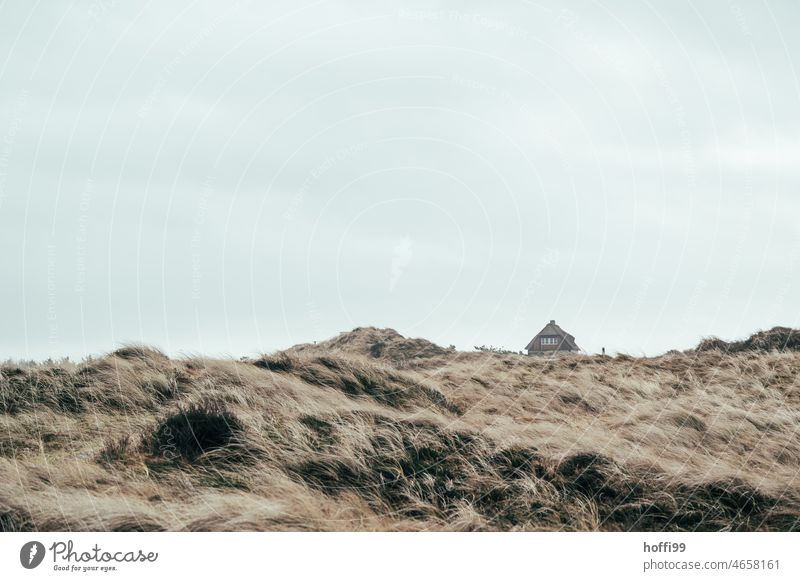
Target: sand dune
[{"x": 374, "y": 431}]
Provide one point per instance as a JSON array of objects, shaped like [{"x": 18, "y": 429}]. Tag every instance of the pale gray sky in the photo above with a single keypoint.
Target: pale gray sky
[{"x": 229, "y": 178}]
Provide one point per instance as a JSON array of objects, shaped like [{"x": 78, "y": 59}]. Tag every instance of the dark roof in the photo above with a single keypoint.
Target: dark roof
[{"x": 551, "y": 329}]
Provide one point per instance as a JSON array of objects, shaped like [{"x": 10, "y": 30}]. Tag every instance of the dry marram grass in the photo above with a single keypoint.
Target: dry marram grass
[{"x": 373, "y": 431}]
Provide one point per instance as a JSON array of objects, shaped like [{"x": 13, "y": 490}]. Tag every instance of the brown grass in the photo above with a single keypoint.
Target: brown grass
[{"x": 374, "y": 431}]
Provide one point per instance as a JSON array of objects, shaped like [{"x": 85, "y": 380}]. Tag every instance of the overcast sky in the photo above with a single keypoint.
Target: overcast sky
[{"x": 229, "y": 178}]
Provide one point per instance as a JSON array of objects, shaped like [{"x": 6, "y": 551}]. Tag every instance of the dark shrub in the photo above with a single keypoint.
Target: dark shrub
[
  {"x": 15, "y": 520},
  {"x": 192, "y": 431},
  {"x": 775, "y": 339},
  {"x": 141, "y": 352},
  {"x": 279, "y": 363},
  {"x": 376, "y": 350}
]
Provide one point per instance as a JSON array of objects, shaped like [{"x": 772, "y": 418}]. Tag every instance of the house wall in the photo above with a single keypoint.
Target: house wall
[{"x": 559, "y": 353}]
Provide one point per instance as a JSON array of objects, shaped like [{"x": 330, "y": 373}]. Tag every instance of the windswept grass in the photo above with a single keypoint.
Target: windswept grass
[{"x": 375, "y": 431}]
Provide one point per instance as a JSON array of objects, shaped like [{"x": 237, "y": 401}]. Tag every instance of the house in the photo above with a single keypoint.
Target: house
[{"x": 551, "y": 339}]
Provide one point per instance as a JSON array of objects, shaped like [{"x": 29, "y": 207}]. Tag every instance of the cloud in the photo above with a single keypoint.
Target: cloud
[{"x": 448, "y": 146}]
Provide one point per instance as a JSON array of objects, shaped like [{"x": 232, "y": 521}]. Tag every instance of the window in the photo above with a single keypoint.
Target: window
[{"x": 549, "y": 340}]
